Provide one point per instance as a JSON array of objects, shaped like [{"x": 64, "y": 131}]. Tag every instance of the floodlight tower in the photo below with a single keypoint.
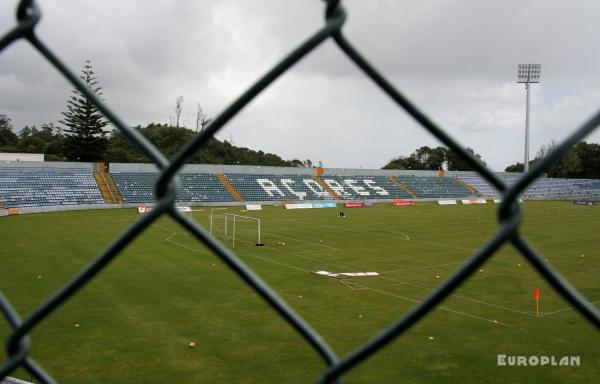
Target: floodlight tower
[{"x": 528, "y": 73}]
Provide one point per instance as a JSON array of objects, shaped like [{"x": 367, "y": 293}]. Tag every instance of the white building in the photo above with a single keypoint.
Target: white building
[{"x": 5, "y": 156}]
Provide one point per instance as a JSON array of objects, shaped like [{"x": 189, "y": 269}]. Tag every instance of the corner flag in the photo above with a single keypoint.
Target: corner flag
[{"x": 537, "y": 302}]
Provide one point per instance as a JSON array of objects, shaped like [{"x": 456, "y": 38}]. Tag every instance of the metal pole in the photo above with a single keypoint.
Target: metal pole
[
  {"x": 526, "y": 162},
  {"x": 210, "y": 222},
  {"x": 233, "y": 232},
  {"x": 258, "y": 231}
]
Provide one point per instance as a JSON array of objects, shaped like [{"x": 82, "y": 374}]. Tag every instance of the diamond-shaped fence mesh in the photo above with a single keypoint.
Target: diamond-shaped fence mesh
[{"x": 510, "y": 212}]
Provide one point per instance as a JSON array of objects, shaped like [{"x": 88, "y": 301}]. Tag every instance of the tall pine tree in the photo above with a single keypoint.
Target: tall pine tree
[{"x": 85, "y": 138}]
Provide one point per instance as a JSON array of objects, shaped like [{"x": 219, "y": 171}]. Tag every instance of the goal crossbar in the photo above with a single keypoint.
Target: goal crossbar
[{"x": 234, "y": 216}]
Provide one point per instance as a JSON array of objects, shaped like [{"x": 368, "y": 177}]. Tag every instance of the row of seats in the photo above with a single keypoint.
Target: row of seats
[
  {"x": 39, "y": 187},
  {"x": 434, "y": 187},
  {"x": 139, "y": 187},
  {"x": 194, "y": 187},
  {"x": 564, "y": 189},
  {"x": 544, "y": 188},
  {"x": 294, "y": 187},
  {"x": 277, "y": 187},
  {"x": 365, "y": 187},
  {"x": 485, "y": 187}
]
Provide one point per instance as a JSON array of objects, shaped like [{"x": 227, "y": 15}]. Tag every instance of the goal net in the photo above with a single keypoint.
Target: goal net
[{"x": 236, "y": 229}]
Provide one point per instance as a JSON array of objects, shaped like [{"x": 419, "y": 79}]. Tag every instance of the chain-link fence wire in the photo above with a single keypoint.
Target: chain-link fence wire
[{"x": 510, "y": 211}]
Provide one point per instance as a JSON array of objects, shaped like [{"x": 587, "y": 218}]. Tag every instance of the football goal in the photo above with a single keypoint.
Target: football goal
[{"x": 237, "y": 228}]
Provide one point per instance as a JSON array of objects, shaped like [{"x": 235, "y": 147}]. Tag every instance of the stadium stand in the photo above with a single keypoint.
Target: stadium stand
[
  {"x": 223, "y": 179},
  {"x": 139, "y": 187},
  {"x": 543, "y": 188},
  {"x": 559, "y": 189},
  {"x": 277, "y": 187},
  {"x": 33, "y": 187},
  {"x": 365, "y": 187},
  {"x": 484, "y": 187},
  {"x": 435, "y": 187},
  {"x": 469, "y": 187},
  {"x": 44, "y": 186}
]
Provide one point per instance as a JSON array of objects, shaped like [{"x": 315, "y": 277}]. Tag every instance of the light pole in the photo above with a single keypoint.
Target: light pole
[{"x": 528, "y": 73}]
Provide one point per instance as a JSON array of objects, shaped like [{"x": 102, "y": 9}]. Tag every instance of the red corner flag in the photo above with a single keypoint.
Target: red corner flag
[{"x": 537, "y": 302}]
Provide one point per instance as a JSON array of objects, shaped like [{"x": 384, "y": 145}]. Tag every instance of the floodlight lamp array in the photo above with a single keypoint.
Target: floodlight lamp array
[{"x": 529, "y": 73}]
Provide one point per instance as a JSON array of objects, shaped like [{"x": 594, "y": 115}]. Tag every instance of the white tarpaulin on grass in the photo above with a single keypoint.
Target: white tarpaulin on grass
[{"x": 346, "y": 274}]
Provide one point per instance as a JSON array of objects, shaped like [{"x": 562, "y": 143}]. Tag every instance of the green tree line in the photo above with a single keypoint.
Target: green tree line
[
  {"x": 81, "y": 137},
  {"x": 427, "y": 158},
  {"x": 582, "y": 162},
  {"x": 54, "y": 143}
]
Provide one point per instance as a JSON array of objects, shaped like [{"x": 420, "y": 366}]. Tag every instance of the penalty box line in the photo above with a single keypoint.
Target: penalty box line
[
  {"x": 426, "y": 267},
  {"x": 298, "y": 254},
  {"x": 428, "y": 289},
  {"x": 565, "y": 309},
  {"x": 170, "y": 240},
  {"x": 302, "y": 241},
  {"x": 437, "y": 307},
  {"x": 354, "y": 288},
  {"x": 404, "y": 237}
]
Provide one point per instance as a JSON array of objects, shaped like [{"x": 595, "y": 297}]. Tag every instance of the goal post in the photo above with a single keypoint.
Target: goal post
[
  {"x": 211, "y": 218},
  {"x": 232, "y": 221}
]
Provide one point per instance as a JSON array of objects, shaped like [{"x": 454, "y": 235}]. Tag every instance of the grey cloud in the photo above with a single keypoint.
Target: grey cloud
[{"x": 457, "y": 60}]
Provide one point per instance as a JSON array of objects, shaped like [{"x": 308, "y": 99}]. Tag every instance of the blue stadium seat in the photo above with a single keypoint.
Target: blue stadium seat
[
  {"x": 561, "y": 189},
  {"x": 139, "y": 187},
  {"x": 39, "y": 187},
  {"x": 277, "y": 187},
  {"x": 365, "y": 187},
  {"x": 542, "y": 189},
  {"x": 484, "y": 187},
  {"x": 435, "y": 187}
]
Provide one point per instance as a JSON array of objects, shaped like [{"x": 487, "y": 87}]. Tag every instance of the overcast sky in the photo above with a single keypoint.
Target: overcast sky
[{"x": 456, "y": 59}]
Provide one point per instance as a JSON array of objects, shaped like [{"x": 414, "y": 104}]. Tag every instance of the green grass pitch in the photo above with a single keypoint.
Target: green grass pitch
[{"x": 138, "y": 316}]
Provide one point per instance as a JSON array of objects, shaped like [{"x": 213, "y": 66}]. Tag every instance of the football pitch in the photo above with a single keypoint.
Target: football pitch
[{"x": 134, "y": 322}]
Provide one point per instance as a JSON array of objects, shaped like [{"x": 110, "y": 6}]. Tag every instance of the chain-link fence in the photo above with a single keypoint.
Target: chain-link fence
[{"x": 510, "y": 212}]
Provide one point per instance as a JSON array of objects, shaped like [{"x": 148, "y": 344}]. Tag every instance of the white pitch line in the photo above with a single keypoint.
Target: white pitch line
[
  {"x": 181, "y": 245},
  {"x": 389, "y": 278},
  {"x": 351, "y": 285},
  {"x": 565, "y": 309},
  {"x": 358, "y": 286},
  {"x": 317, "y": 260},
  {"x": 404, "y": 238},
  {"x": 256, "y": 257},
  {"x": 298, "y": 254},
  {"x": 439, "y": 307},
  {"x": 426, "y": 267},
  {"x": 278, "y": 263},
  {"x": 428, "y": 289},
  {"x": 301, "y": 241}
]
